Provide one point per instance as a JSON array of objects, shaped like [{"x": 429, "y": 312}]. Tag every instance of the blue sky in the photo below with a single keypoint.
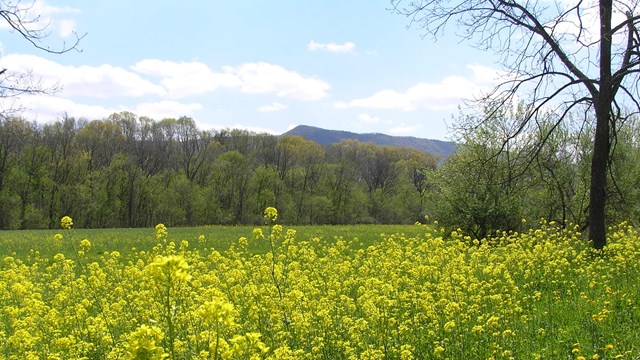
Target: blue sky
[{"x": 260, "y": 65}]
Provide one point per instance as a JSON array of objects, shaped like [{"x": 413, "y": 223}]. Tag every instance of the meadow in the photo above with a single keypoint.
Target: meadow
[{"x": 355, "y": 292}]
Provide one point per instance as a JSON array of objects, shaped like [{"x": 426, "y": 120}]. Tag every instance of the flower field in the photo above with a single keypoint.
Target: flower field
[{"x": 277, "y": 295}]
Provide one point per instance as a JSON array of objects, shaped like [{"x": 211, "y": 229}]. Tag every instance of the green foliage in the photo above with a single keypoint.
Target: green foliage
[
  {"x": 130, "y": 171},
  {"x": 496, "y": 179}
]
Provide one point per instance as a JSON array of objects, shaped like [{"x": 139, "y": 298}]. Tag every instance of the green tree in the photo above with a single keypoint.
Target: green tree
[{"x": 560, "y": 60}]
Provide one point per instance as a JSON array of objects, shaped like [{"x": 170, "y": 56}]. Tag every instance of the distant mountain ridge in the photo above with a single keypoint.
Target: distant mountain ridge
[{"x": 326, "y": 137}]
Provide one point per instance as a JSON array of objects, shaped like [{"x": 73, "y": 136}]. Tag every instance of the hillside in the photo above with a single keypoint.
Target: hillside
[{"x": 327, "y": 137}]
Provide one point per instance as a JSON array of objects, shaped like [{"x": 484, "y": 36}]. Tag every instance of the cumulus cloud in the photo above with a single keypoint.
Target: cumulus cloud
[
  {"x": 262, "y": 78},
  {"x": 66, "y": 27},
  {"x": 255, "y": 129},
  {"x": 49, "y": 108},
  {"x": 331, "y": 47},
  {"x": 174, "y": 80},
  {"x": 104, "y": 81},
  {"x": 183, "y": 79},
  {"x": 447, "y": 94},
  {"x": 272, "y": 107},
  {"x": 39, "y": 15},
  {"x": 368, "y": 119},
  {"x": 165, "y": 109}
]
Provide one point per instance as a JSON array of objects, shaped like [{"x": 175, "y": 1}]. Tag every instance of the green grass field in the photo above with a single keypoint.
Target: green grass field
[
  {"x": 319, "y": 292},
  {"x": 21, "y": 242}
]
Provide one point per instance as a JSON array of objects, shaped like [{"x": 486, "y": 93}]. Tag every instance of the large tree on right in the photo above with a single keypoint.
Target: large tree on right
[{"x": 563, "y": 56}]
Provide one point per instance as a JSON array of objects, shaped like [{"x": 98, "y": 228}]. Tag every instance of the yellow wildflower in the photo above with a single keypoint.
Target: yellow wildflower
[{"x": 66, "y": 222}]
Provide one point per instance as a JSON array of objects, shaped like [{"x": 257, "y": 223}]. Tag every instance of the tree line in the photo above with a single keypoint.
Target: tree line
[{"x": 132, "y": 171}]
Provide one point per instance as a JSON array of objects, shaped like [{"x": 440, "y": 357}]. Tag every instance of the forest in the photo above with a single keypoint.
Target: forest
[{"x": 132, "y": 171}]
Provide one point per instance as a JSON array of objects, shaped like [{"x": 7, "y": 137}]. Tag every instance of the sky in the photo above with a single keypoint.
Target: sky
[{"x": 265, "y": 66}]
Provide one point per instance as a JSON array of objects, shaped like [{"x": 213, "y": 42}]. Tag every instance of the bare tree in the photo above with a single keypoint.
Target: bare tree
[
  {"x": 22, "y": 19},
  {"x": 563, "y": 56}
]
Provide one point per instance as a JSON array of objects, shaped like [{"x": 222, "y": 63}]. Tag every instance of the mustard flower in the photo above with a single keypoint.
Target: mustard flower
[
  {"x": 438, "y": 350},
  {"x": 257, "y": 234},
  {"x": 161, "y": 231},
  {"x": 66, "y": 222},
  {"x": 216, "y": 312},
  {"x": 448, "y": 327},
  {"x": 144, "y": 343},
  {"x": 85, "y": 245},
  {"x": 271, "y": 213}
]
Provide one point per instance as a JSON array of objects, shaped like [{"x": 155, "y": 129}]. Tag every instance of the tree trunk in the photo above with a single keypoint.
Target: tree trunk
[
  {"x": 597, "y": 227},
  {"x": 599, "y": 161}
]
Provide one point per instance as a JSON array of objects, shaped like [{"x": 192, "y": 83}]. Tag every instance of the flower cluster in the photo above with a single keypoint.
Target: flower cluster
[
  {"x": 66, "y": 222},
  {"x": 271, "y": 214},
  {"x": 541, "y": 294}
]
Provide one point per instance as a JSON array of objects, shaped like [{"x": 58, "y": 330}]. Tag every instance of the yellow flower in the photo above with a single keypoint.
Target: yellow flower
[
  {"x": 216, "y": 312},
  {"x": 161, "y": 231},
  {"x": 257, "y": 233},
  {"x": 448, "y": 327},
  {"x": 144, "y": 343},
  {"x": 168, "y": 269},
  {"x": 85, "y": 245},
  {"x": 66, "y": 222},
  {"x": 271, "y": 213},
  {"x": 608, "y": 347},
  {"x": 438, "y": 350}
]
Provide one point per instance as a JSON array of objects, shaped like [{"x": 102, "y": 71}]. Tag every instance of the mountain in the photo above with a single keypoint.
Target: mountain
[{"x": 326, "y": 137}]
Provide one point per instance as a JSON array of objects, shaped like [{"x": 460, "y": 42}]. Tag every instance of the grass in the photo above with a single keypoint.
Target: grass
[{"x": 21, "y": 242}]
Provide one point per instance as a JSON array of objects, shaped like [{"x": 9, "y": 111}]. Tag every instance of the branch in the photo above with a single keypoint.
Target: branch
[{"x": 15, "y": 17}]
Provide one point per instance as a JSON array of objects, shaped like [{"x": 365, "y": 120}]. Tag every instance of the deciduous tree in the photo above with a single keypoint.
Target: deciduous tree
[{"x": 562, "y": 56}]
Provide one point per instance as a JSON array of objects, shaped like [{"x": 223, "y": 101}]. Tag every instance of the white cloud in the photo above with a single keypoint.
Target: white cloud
[
  {"x": 447, "y": 94},
  {"x": 263, "y": 78},
  {"x": 183, "y": 79},
  {"x": 104, "y": 81},
  {"x": 272, "y": 107},
  {"x": 39, "y": 16},
  {"x": 193, "y": 78},
  {"x": 49, "y": 108},
  {"x": 176, "y": 79},
  {"x": 405, "y": 129},
  {"x": 66, "y": 27},
  {"x": 331, "y": 47},
  {"x": 238, "y": 126},
  {"x": 368, "y": 119},
  {"x": 486, "y": 75},
  {"x": 165, "y": 109}
]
